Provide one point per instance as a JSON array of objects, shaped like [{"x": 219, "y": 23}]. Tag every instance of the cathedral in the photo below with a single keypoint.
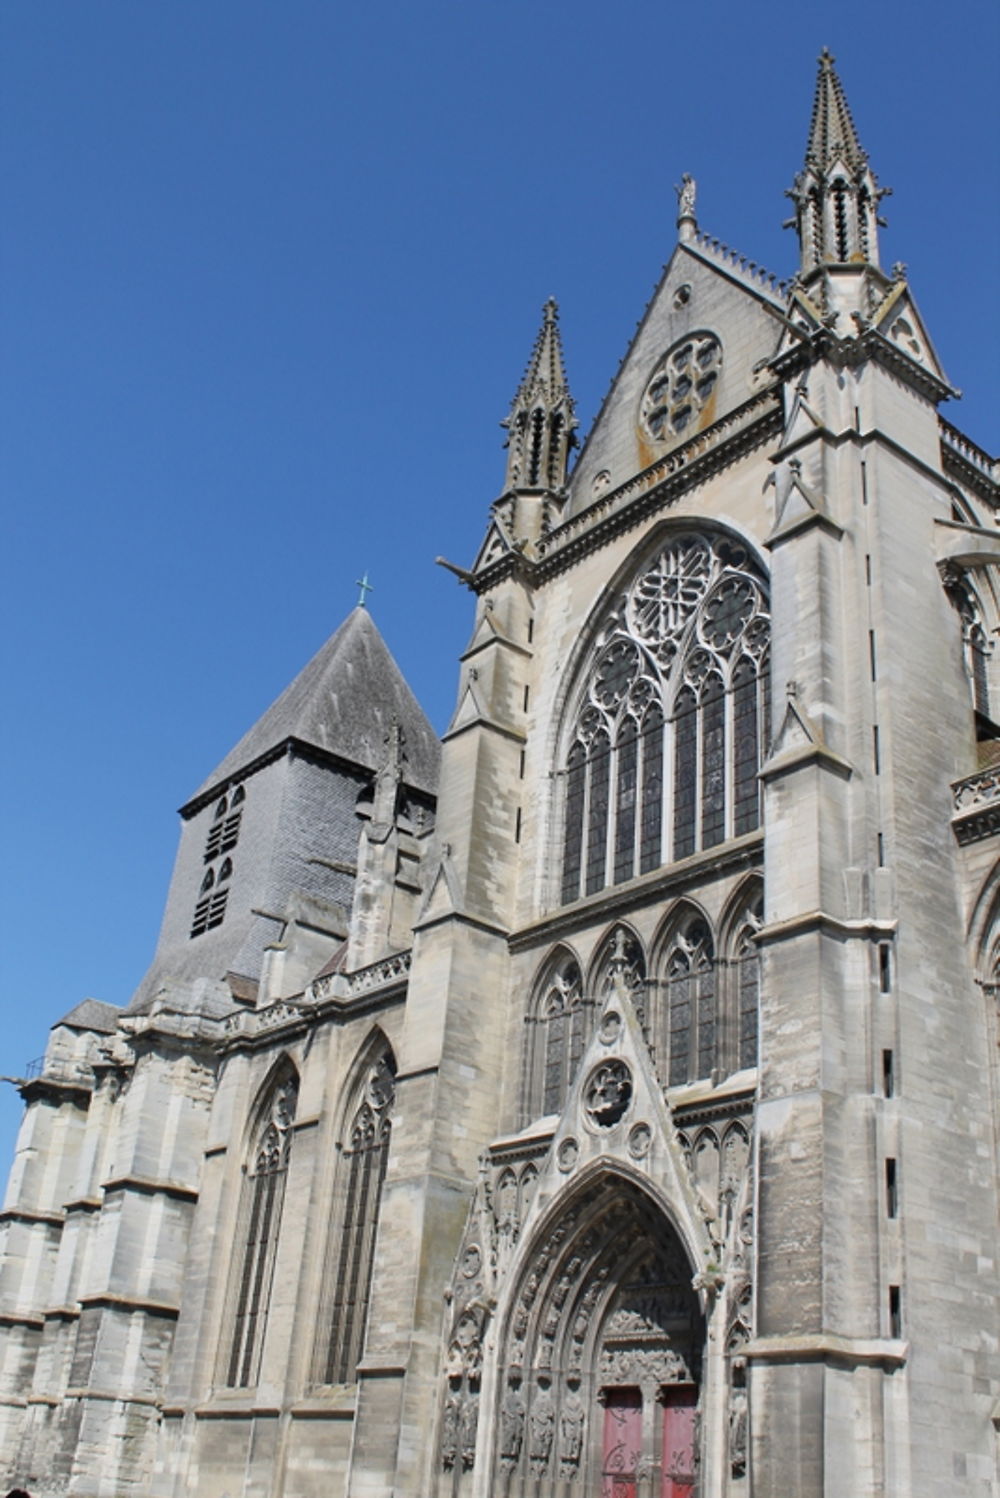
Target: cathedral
[{"x": 602, "y": 1101}]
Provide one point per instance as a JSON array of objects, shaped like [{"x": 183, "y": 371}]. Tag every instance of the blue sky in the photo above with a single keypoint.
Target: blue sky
[{"x": 270, "y": 275}]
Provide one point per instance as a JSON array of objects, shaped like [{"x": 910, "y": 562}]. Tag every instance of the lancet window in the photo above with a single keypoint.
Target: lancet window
[
  {"x": 687, "y": 1023},
  {"x": 263, "y": 1199},
  {"x": 361, "y": 1178},
  {"x": 746, "y": 966},
  {"x": 666, "y": 738},
  {"x": 975, "y": 641},
  {"x": 558, "y": 1030}
]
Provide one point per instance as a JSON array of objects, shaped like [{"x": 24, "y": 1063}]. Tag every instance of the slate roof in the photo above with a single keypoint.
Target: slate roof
[
  {"x": 344, "y": 702},
  {"x": 92, "y": 1014}
]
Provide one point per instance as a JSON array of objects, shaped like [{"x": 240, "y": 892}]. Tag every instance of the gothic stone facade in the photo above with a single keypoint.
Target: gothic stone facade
[{"x": 609, "y": 1108}]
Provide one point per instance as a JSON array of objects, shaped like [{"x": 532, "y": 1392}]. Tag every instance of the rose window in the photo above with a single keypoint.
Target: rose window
[{"x": 682, "y": 384}]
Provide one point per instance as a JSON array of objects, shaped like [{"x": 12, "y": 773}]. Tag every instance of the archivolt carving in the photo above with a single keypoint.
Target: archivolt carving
[{"x": 605, "y": 1300}]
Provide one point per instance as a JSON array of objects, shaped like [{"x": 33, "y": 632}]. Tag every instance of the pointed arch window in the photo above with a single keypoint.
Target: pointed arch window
[
  {"x": 746, "y": 966},
  {"x": 620, "y": 969},
  {"x": 675, "y": 696},
  {"x": 261, "y": 1211},
  {"x": 975, "y": 641},
  {"x": 361, "y": 1177},
  {"x": 558, "y": 1031},
  {"x": 687, "y": 1028}
]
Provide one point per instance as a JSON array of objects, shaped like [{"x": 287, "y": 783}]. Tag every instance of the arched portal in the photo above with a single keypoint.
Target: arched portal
[{"x": 600, "y": 1356}]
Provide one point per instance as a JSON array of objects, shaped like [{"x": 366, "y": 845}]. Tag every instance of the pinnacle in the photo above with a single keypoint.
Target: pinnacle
[
  {"x": 546, "y": 362},
  {"x": 831, "y": 131},
  {"x": 543, "y": 402}
]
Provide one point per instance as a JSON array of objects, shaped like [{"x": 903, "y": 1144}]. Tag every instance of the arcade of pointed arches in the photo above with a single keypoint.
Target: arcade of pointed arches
[
  {"x": 357, "y": 1194},
  {"x": 696, "y": 998}
]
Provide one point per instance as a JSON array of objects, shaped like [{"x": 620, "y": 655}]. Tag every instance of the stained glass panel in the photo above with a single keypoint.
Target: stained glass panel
[
  {"x": 575, "y": 782},
  {"x": 748, "y": 968},
  {"x": 628, "y": 756},
  {"x": 745, "y": 756},
  {"x": 713, "y": 763},
  {"x": 650, "y": 836},
  {"x": 597, "y": 821},
  {"x": 685, "y": 773}
]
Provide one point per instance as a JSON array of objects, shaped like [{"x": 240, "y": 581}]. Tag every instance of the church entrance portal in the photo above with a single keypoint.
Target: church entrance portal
[{"x": 599, "y": 1383}]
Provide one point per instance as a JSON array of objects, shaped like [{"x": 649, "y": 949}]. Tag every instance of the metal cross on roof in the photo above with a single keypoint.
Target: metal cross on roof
[{"x": 366, "y": 587}]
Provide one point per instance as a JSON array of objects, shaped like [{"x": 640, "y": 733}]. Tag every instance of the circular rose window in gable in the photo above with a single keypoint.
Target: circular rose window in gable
[{"x": 681, "y": 386}]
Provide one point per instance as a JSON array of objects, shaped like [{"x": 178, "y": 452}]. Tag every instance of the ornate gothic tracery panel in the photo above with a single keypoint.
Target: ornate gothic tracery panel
[
  {"x": 559, "y": 1022},
  {"x": 359, "y": 1196},
  {"x": 261, "y": 1211},
  {"x": 667, "y": 736}
]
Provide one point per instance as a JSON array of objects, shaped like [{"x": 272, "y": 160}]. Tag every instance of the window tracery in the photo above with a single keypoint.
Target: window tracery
[
  {"x": 686, "y": 1038},
  {"x": 975, "y": 640},
  {"x": 362, "y": 1175},
  {"x": 682, "y": 384},
  {"x": 263, "y": 1200},
  {"x": 667, "y": 739},
  {"x": 747, "y": 965},
  {"x": 558, "y": 1033}
]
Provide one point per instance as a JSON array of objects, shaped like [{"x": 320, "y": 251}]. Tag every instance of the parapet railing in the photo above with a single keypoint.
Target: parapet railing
[
  {"x": 957, "y": 441},
  {"x": 976, "y": 802},
  {"x": 375, "y": 975}
]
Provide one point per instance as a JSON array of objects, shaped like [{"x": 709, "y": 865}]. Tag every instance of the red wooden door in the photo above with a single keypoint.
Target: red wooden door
[
  {"x": 678, "y": 1441},
  {"x": 622, "y": 1442}
]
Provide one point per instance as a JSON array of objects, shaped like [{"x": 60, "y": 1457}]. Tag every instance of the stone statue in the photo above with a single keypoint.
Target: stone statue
[
  {"x": 541, "y": 1426},
  {"x": 686, "y": 196},
  {"x": 511, "y": 1426},
  {"x": 469, "y": 1425},
  {"x": 449, "y": 1429},
  {"x": 571, "y": 1420},
  {"x": 738, "y": 1422}
]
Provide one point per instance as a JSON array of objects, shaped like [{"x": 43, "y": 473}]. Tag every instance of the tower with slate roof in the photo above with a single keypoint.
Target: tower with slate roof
[{"x": 605, "y": 1098}]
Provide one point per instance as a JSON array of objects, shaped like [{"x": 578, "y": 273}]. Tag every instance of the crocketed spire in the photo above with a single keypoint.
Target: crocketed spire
[
  {"x": 836, "y": 194},
  {"x": 543, "y": 414}
]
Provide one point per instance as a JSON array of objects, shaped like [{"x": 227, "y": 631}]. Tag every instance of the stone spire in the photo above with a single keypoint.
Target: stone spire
[
  {"x": 543, "y": 415},
  {"x": 836, "y": 194}
]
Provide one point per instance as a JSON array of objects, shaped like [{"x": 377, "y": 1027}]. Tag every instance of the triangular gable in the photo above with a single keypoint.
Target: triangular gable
[
  {"x": 797, "y": 503},
  {"x": 444, "y": 893},
  {"x": 797, "y": 730},
  {"x": 899, "y": 321},
  {"x": 496, "y": 545},
  {"x": 591, "y": 1127},
  {"x": 704, "y": 295},
  {"x": 470, "y": 708}
]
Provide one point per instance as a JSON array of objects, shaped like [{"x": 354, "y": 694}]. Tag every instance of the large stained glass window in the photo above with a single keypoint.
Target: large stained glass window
[{"x": 676, "y": 696}]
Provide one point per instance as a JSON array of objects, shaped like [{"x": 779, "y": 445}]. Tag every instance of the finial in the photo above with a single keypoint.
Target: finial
[
  {"x": 366, "y": 587},
  {"x": 687, "y": 224}
]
